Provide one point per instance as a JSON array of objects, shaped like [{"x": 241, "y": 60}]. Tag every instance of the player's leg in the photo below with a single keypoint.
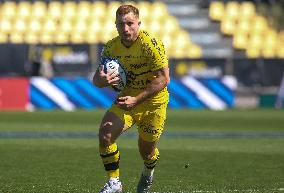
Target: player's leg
[
  {"x": 111, "y": 127},
  {"x": 150, "y": 154},
  {"x": 150, "y": 128}
]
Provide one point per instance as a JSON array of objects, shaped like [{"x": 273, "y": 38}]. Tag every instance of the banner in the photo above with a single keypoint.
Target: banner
[
  {"x": 14, "y": 93},
  {"x": 248, "y": 72},
  {"x": 60, "y": 60},
  {"x": 79, "y": 93}
]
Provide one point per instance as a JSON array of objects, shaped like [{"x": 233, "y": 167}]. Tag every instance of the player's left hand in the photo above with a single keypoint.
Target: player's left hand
[{"x": 126, "y": 102}]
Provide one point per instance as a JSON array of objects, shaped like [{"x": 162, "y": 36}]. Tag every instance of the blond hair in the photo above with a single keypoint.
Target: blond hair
[{"x": 125, "y": 9}]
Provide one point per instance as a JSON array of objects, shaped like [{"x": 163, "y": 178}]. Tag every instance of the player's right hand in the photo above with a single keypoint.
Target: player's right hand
[{"x": 110, "y": 78}]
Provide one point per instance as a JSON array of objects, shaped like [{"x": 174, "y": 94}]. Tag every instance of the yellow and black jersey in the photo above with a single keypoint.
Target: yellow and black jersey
[{"x": 145, "y": 55}]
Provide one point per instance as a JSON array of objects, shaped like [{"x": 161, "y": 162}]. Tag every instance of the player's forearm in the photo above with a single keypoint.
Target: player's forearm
[{"x": 155, "y": 86}]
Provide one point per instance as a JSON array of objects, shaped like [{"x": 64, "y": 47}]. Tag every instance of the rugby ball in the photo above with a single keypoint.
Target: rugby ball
[{"x": 114, "y": 65}]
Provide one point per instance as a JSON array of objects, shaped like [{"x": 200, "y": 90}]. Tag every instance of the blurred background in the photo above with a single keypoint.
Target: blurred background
[{"x": 222, "y": 54}]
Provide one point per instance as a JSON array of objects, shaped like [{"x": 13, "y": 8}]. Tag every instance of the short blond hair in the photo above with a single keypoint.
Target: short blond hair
[{"x": 125, "y": 9}]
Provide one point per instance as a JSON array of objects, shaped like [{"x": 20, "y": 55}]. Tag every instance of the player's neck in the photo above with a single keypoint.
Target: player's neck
[{"x": 128, "y": 44}]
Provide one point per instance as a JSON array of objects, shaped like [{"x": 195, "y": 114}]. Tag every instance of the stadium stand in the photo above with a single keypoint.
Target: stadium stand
[
  {"x": 89, "y": 22},
  {"x": 251, "y": 29},
  {"x": 254, "y": 29}
]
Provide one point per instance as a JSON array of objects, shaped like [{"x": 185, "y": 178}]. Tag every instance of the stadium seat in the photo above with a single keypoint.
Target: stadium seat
[
  {"x": 181, "y": 39},
  {"x": 168, "y": 42},
  {"x": 92, "y": 38},
  {"x": 145, "y": 10},
  {"x": 194, "y": 51},
  {"x": 35, "y": 26},
  {"x": 270, "y": 39},
  {"x": 84, "y": 10},
  {"x": 8, "y": 10},
  {"x": 259, "y": 24},
  {"x": 155, "y": 27},
  {"x": 77, "y": 38},
  {"x": 181, "y": 48},
  {"x": 268, "y": 53},
  {"x": 98, "y": 10},
  {"x": 232, "y": 10},
  {"x": 216, "y": 10},
  {"x": 247, "y": 10},
  {"x": 280, "y": 50},
  {"x": 50, "y": 26},
  {"x": 80, "y": 26},
  {"x": 158, "y": 10},
  {"x": 16, "y": 38},
  {"x": 170, "y": 25},
  {"x": 54, "y": 10},
  {"x": 66, "y": 26},
  {"x": 38, "y": 10},
  {"x": 61, "y": 38},
  {"x": 252, "y": 52},
  {"x": 228, "y": 26},
  {"x": 19, "y": 26},
  {"x": 69, "y": 10},
  {"x": 256, "y": 41},
  {"x": 111, "y": 9},
  {"x": 95, "y": 27},
  {"x": 5, "y": 25},
  {"x": 31, "y": 38},
  {"x": 3, "y": 37},
  {"x": 281, "y": 36},
  {"x": 46, "y": 38},
  {"x": 240, "y": 40},
  {"x": 23, "y": 10},
  {"x": 243, "y": 26}
]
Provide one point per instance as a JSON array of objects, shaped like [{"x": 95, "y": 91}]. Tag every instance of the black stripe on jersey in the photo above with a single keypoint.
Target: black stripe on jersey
[
  {"x": 110, "y": 154},
  {"x": 112, "y": 166},
  {"x": 143, "y": 73}
]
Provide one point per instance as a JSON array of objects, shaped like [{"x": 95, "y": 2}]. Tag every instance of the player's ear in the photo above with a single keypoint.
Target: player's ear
[{"x": 139, "y": 23}]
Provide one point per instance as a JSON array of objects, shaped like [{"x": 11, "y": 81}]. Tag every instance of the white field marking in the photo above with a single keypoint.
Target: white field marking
[{"x": 54, "y": 93}]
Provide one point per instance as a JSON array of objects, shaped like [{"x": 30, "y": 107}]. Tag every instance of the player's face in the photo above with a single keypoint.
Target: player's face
[{"x": 128, "y": 28}]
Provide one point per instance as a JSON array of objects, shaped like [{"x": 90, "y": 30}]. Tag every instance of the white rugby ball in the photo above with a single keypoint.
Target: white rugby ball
[{"x": 114, "y": 65}]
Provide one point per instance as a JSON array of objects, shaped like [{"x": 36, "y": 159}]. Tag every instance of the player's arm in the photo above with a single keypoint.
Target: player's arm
[
  {"x": 157, "y": 84},
  {"x": 102, "y": 79}
]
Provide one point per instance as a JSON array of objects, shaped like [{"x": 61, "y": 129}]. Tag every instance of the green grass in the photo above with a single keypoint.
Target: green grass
[{"x": 215, "y": 164}]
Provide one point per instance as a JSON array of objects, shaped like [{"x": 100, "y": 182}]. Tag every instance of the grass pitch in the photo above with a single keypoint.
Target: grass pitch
[{"x": 225, "y": 162}]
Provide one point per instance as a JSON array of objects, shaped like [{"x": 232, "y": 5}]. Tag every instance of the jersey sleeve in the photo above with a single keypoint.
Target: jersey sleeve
[
  {"x": 105, "y": 53},
  {"x": 156, "y": 51}
]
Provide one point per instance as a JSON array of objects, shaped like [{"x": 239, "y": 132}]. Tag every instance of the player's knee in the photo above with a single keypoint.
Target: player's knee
[
  {"x": 105, "y": 138},
  {"x": 147, "y": 155}
]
